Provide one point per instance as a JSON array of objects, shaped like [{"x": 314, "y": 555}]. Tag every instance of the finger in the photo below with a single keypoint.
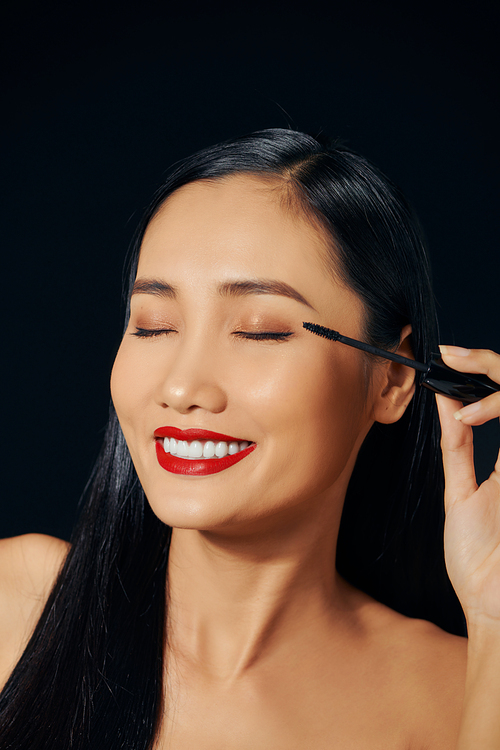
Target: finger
[
  {"x": 472, "y": 360},
  {"x": 458, "y": 456},
  {"x": 481, "y": 411}
]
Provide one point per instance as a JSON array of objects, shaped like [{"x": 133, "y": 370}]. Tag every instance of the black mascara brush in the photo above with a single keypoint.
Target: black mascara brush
[{"x": 435, "y": 375}]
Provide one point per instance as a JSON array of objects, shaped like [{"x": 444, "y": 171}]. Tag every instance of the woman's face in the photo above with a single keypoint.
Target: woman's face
[{"x": 221, "y": 264}]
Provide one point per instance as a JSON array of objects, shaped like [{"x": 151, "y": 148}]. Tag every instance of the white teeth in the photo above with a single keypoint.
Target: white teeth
[
  {"x": 209, "y": 449},
  {"x": 183, "y": 449},
  {"x": 221, "y": 450},
  {"x": 197, "y": 449}
]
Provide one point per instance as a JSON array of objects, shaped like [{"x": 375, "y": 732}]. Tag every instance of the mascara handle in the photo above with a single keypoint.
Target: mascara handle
[{"x": 462, "y": 386}]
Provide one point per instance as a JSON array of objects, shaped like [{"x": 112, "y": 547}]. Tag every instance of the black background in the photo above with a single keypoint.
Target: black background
[{"x": 98, "y": 102}]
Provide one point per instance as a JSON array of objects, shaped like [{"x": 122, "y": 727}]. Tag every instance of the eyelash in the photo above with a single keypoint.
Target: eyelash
[
  {"x": 264, "y": 335},
  {"x": 146, "y": 333}
]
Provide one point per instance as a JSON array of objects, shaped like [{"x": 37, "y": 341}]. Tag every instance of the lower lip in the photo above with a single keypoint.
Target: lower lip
[{"x": 201, "y": 468}]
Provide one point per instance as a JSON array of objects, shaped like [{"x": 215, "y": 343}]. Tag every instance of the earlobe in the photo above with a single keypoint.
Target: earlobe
[{"x": 395, "y": 385}]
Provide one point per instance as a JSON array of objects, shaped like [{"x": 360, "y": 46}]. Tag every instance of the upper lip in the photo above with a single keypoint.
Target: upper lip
[{"x": 194, "y": 434}]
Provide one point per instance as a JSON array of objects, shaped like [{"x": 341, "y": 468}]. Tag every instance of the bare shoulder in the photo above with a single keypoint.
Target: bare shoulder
[
  {"x": 29, "y": 565},
  {"x": 417, "y": 638},
  {"x": 31, "y": 555},
  {"x": 428, "y": 666}
]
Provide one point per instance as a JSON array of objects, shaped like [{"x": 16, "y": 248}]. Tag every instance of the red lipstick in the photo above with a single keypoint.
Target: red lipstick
[
  {"x": 200, "y": 468},
  {"x": 194, "y": 434},
  {"x": 203, "y": 467}
]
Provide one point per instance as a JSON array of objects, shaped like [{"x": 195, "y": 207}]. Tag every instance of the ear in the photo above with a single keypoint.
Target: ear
[{"x": 394, "y": 384}]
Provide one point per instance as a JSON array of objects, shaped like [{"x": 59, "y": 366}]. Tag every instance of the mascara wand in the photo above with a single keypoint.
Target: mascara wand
[{"x": 435, "y": 375}]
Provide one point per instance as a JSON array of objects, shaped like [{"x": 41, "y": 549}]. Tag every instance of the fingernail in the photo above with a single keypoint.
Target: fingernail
[
  {"x": 467, "y": 411},
  {"x": 454, "y": 351}
]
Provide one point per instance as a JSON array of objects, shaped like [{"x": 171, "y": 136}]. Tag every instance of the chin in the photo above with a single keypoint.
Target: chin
[{"x": 183, "y": 511}]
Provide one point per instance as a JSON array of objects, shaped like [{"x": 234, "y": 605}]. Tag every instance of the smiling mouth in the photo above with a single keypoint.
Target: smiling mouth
[
  {"x": 224, "y": 456},
  {"x": 196, "y": 450},
  {"x": 198, "y": 444}
]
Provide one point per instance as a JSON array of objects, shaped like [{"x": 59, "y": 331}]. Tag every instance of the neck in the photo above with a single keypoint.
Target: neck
[{"x": 235, "y": 600}]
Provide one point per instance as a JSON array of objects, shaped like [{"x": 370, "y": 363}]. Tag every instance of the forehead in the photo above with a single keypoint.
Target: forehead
[
  {"x": 209, "y": 232},
  {"x": 242, "y": 211}
]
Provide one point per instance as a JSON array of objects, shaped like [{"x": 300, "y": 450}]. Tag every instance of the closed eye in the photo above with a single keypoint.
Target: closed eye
[
  {"x": 146, "y": 333},
  {"x": 264, "y": 335}
]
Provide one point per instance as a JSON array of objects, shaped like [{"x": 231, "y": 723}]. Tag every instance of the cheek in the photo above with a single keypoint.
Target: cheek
[
  {"x": 119, "y": 384},
  {"x": 315, "y": 417},
  {"x": 129, "y": 384},
  {"x": 319, "y": 396},
  {"x": 314, "y": 396}
]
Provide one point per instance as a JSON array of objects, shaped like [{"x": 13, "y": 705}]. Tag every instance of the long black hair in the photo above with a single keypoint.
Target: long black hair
[{"x": 91, "y": 675}]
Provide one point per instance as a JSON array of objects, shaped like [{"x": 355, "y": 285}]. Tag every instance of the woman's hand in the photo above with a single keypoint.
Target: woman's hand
[{"x": 472, "y": 527}]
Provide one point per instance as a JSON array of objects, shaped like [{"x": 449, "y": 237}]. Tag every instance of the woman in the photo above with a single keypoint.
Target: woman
[{"x": 211, "y": 615}]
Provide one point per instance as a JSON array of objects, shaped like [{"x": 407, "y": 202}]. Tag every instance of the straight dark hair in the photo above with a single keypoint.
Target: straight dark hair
[{"x": 92, "y": 674}]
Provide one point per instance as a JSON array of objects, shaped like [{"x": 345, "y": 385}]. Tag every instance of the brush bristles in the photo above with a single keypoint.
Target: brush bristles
[{"x": 327, "y": 333}]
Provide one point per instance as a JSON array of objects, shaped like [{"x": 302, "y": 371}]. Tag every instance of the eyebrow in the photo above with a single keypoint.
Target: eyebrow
[{"x": 160, "y": 288}]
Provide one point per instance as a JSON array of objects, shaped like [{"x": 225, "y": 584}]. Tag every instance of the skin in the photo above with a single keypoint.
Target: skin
[
  {"x": 28, "y": 567},
  {"x": 472, "y": 548},
  {"x": 267, "y": 646},
  {"x": 308, "y": 429},
  {"x": 288, "y": 653}
]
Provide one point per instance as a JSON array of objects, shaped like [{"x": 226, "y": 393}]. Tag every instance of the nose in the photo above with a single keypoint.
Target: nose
[{"x": 191, "y": 380}]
